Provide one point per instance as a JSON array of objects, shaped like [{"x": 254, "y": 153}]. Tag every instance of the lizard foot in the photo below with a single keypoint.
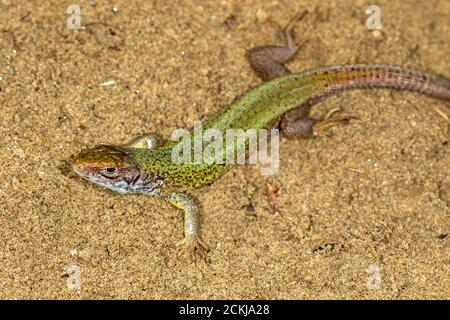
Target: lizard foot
[
  {"x": 290, "y": 43},
  {"x": 299, "y": 126},
  {"x": 193, "y": 247}
]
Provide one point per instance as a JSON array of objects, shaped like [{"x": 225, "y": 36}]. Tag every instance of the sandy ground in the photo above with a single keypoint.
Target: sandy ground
[{"x": 364, "y": 211}]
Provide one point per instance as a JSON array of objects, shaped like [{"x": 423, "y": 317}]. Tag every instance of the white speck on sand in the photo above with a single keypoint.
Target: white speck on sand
[
  {"x": 19, "y": 152},
  {"x": 108, "y": 83}
]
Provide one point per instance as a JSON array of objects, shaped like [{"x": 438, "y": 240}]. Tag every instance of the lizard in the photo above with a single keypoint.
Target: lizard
[{"x": 145, "y": 165}]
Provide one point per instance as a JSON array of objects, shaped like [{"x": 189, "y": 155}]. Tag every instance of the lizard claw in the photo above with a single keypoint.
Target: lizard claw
[
  {"x": 290, "y": 43},
  {"x": 320, "y": 126},
  {"x": 193, "y": 247}
]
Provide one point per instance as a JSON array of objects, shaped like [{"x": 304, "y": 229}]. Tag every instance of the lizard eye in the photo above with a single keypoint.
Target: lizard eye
[{"x": 109, "y": 172}]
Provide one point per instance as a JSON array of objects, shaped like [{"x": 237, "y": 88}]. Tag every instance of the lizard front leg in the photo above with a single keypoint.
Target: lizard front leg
[
  {"x": 146, "y": 141},
  {"x": 192, "y": 240}
]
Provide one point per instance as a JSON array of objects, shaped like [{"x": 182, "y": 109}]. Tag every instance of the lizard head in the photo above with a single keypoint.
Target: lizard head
[{"x": 113, "y": 168}]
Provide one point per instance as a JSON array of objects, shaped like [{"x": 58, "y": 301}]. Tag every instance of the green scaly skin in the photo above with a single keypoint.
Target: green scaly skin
[{"x": 254, "y": 110}]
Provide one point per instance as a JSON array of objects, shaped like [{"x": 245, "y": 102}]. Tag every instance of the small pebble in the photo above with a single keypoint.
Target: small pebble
[
  {"x": 250, "y": 208},
  {"x": 261, "y": 16},
  {"x": 108, "y": 83},
  {"x": 376, "y": 34}
]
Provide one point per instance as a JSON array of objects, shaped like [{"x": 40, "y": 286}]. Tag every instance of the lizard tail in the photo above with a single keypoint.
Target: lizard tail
[{"x": 366, "y": 76}]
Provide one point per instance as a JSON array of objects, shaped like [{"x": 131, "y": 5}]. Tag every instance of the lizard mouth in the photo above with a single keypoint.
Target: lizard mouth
[
  {"x": 81, "y": 170},
  {"x": 78, "y": 168}
]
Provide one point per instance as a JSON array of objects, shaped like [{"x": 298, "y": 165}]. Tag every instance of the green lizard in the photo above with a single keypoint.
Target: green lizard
[{"x": 284, "y": 100}]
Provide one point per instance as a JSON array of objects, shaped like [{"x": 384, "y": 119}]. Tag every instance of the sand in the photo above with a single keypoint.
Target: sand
[{"x": 363, "y": 211}]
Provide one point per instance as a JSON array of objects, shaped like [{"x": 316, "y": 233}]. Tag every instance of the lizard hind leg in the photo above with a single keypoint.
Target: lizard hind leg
[
  {"x": 305, "y": 127},
  {"x": 268, "y": 61}
]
